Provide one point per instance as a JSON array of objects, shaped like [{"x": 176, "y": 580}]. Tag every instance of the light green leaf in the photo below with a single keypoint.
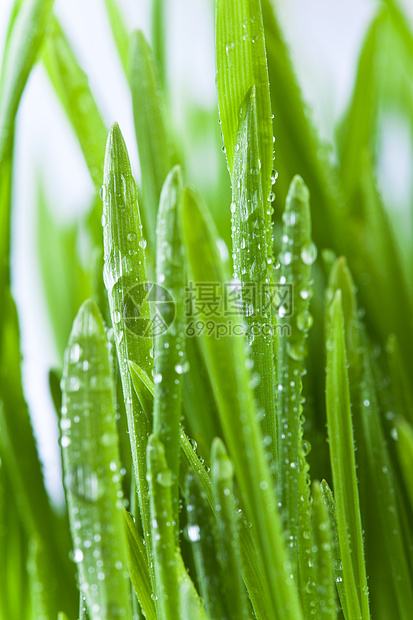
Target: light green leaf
[
  {"x": 226, "y": 363},
  {"x": 126, "y": 283},
  {"x": 253, "y": 257},
  {"x": 200, "y": 531},
  {"x": 90, "y": 448},
  {"x": 323, "y": 557},
  {"x": 344, "y": 467},
  {"x": 189, "y": 461},
  {"x": 72, "y": 86},
  {"x": 163, "y": 536},
  {"x": 156, "y": 153},
  {"x": 297, "y": 255},
  {"x": 138, "y": 568},
  {"x": 120, "y": 32},
  {"x": 227, "y": 532},
  {"x": 241, "y": 63},
  {"x": 24, "y": 40},
  {"x": 381, "y": 477},
  {"x": 169, "y": 339}
]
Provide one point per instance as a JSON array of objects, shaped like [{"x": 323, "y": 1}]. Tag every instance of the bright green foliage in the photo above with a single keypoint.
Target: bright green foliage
[
  {"x": 216, "y": 439},
  {"x": 252, "y": 257},
  {"x": 92, "y": 469},
  {"x": 237, "y": 409},
  {"x": 23, "y": 43},
  {"x": 241, "y": 63},
  {"x": 72, "y": 86},
  {"x": 156, "y": 152},
  {"x": 163, "y": 538},
  {"x": 138, "y": 568},
  {"x": 344, "y": 466},
  {"x": 227, "y": 532},
  {"x": 125, "y": 281},
  {"x": 169, "y": 344},
  {"x": 326, "y": 606},
  {"x": 297, "y": 255}
]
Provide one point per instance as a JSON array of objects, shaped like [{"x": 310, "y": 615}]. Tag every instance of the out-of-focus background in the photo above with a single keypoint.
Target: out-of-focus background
[{"x": 325, "y": 37}]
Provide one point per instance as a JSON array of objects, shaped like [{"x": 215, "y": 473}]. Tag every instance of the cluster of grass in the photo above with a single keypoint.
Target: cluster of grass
[{"x": 210, "y": 475}]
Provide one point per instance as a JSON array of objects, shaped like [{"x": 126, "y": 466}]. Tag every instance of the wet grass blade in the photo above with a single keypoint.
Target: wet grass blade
[
  {"x": 297, "y": 145},
  {"x": 227, "y": 532},
  {"x": 200, "y": 531},
  {"x": 226, "y": 363},
  {"x": 156, "y": 153},
  {"x": 126, "y": 283},
  {"x": 344, "y": 467},
  {"x": 297, "y": 255},
  {"x": 138, "y": 568},
  {"x": 241, "y": 63},
  {"x": 163, "y": 536},
  {"x": 169, "y": 340},
  {"x": 323, "y": 557},
  {"x": 382, "y": 483},
  {"x": 24, "y": 40},
  {"x": 92, "y": 468},
  {"x": 189, "y": 461},
  {"x": 252, "y": 254},
  {"x": 330, "y": 503}
]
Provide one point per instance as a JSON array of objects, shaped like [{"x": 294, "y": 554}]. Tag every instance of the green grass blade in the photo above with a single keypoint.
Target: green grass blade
[
  {"x": 323, "y": 557},
  {"x": 225, "y": 358},
  {"x": 200, "y": 530},
  {"x": 401, "y": 386},
  {"x": 72, "y": 87},
  {"x": 125, "y": 279},
  {"x": 169, "y": 344},
  {"x": 200, "y": 410},
  {"x": 305, "y": 541},
  {"x": 43, "y": 588},
  {"x": 297, "y": 145},
  {"x": 382, "y": 485},
  {"x": 297, "y": 255},
  {"x": 189, "y": 461},
  {"x": 64, "y": 279},
  {"x": 190, "y": 604},
  {"x": 227, "y": 532},
  {"x": 359, "y": 128},
  {"x": 25, "y": 38},
  {"x": 252, "y": 254},
  {"x": 120, "y": 33},
  {"x": 159, "y": 39},
  {"x": 241, "y": 63},
  {"x": 19, "y": 452},
  {"x": 163, "y": 536},
  {"x": 402, "y": 23},
  {"x": 344, "y": 467},
  {"x": 138, "y": 568},
  {"x": 405, "y": 454},
  {"x": 92, "y": 468},
  {"x": 337, "y": 563},
  {"x": 152, "y": 133}
]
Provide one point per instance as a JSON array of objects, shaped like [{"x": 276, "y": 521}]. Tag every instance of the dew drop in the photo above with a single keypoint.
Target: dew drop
[
  {"x": 194, "y": 533},
  {"x": 309, "y": 253}
]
